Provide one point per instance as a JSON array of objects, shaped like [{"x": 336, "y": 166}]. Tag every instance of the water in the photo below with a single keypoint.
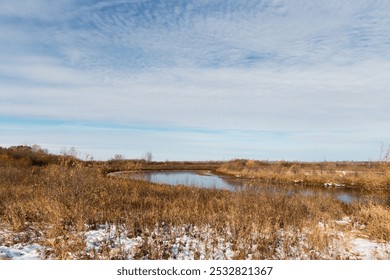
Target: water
[
  {"x": 189, "y": 179},
  {"x": 208, "y": 180}
]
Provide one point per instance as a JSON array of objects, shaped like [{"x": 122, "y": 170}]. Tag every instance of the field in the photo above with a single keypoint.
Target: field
[{"x": 60, "y": 207}]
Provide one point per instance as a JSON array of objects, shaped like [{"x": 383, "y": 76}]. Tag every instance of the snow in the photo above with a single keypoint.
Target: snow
[
  {"x": 112, "y": 238},
  {"x": 180, "y": 243},
  {"x": 12, "y": 249},
  {"x": 333, "y": 185},
  {"x": 21, "y": 252},
  {"x": 344, "y": 221},
  {"x": 189, "y": 242},
  {"x": 370, "y": 250}
]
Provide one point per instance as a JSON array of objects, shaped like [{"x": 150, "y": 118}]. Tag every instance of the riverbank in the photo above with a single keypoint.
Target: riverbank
[
  {"x": 373, "y": 177},
  {"x": 214, "y": 180},
  {"x": 368, "y": 177}
]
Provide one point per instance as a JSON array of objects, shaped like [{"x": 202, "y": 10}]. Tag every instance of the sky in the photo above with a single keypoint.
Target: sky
[{"x": 197, "y": 79}]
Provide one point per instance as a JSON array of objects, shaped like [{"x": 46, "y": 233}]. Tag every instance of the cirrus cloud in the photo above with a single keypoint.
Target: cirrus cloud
[{"x": 285, "y": 74}]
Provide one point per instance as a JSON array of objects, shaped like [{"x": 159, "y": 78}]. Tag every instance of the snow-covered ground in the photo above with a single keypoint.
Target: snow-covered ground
[
  {"x": 21, "y": 252},
  {"x": 191, "y": 242},
  {"x": 183, "y": 243},
  {"x": 369, "y": 250},
  {"x": 13, "y": 248}
]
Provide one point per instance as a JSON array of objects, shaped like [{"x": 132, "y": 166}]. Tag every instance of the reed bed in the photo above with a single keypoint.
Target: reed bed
[
  {"x": 365, "y": 176},
  {"x": 57, "y": 204}
]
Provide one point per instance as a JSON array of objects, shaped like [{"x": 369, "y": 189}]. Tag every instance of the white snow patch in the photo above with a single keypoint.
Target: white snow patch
[
  {"x": 333, "y": 185},
  {"x": 179, "y": 243},
  {"x": 111, "y": 238},
  {"x": 365, "y": 249},
  {"x": 18, "y": 251},
  {"x": 21, "y": 252},
  {"x": 344, "y": 221}
]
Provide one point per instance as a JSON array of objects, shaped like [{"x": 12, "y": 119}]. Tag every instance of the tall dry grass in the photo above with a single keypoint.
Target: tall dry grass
[
  {"x": 59, "y": 202},
  {"x": 375, "y": 220},
  {"x": 365, "y": 176}
]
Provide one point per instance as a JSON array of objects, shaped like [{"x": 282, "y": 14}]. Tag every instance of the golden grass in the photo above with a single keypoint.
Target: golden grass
[
  {"x": 365, "y": 176},
  {"x": 63, "y": 200},
  {"x": 376, "y": 221}
]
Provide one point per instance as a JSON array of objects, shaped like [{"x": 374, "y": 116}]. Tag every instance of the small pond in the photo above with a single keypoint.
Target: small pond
[{"x": 206, "y": 179}]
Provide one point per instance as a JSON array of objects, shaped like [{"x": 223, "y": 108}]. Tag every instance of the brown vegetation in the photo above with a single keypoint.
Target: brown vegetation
[
  {"x": 61, "y": 198},
  {"x": 365, "y": 176}
]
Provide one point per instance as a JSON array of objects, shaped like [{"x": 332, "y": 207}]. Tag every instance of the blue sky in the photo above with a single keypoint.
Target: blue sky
[{"x": 197, "y": 80}]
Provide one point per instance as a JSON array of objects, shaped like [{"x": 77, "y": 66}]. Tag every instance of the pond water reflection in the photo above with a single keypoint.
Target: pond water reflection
[{"x": 209, "y": 180}]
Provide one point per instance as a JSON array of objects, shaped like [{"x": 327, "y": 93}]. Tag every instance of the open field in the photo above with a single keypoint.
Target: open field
[{"x": 58, "y": 207}]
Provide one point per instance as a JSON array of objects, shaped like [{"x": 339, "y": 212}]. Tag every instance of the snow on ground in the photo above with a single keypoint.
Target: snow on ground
[
  {"x": 192, "y": 242},
  {"x": 366, "y": 249},
  {"x": 362, "y": 248},
  {"x": 344, "y": 221},
  {"x": 112, "y": 239},
  {"x": 21, "y": 252},
  {"x": 184, "y": 243},
  {"x": 12, "y": 249}
]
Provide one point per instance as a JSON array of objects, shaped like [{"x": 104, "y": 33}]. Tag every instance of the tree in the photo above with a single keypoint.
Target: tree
[
  {"x": 119, "y": 157},
  {"x": 38, "y": 149},
  {"x": 148, "y": 156},
  {"x": 71, "y": 152}
]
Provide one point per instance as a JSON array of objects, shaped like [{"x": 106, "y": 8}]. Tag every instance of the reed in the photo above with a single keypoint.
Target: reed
[
  {"x": 365, "y": 176},
  {"x": 61, "y": 200}
]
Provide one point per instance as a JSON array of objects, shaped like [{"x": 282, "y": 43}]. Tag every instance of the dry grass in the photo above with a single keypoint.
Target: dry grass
[
  {"x": 376, "y": 221},
  {"x": 62, "y": 201},
  {"x": 365, "y": 176}
]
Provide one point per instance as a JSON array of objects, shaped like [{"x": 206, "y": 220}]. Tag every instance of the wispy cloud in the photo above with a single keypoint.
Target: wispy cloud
[
  {"x": 314, "y": 70},
  {"x": 42, "y": 70},
  {"x": 229, "y": 33}
]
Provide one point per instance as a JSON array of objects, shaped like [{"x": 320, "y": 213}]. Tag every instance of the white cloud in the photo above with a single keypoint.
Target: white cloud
[
  {"x": 41, "y": 69},
  {"x": 45, "y": 10},
  {"x": 310, "y": 68},
  {"x": 312, "y": 99},
  {"x": 212, "y": 34}
]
